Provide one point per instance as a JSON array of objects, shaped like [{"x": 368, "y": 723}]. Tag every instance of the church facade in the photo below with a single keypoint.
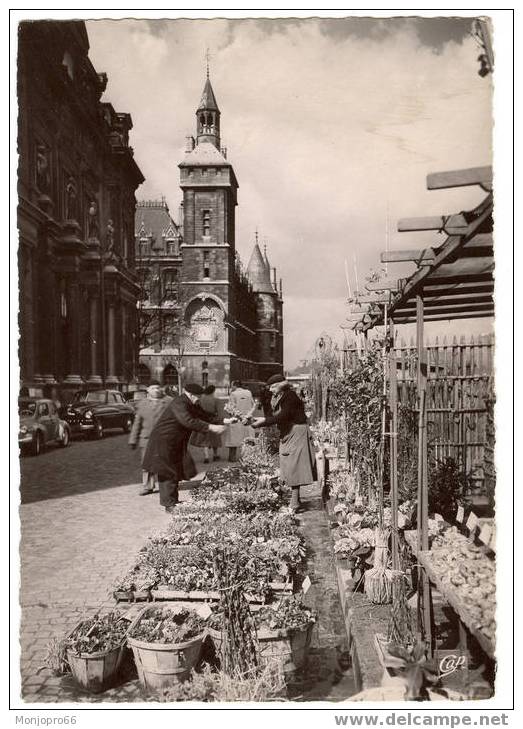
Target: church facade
[{"x": 209, "y": 320}]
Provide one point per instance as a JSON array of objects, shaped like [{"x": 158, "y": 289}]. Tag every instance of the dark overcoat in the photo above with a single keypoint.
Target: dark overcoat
[{"x": 166, "y": 453}]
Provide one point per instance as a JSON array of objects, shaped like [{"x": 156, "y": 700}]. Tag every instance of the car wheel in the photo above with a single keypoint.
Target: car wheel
[
  {"x": 65, "y": 438},
  {"x": 127, "y": 424},
  {"x": 38, "y": 444},
  {"x": 98, "y": 432}
]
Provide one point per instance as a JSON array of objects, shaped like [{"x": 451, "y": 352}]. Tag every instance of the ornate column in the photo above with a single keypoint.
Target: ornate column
[
  {"x": 94, "y": 376},
  {"x": 72, "y": 301},
  {"x": 46, "y": 319},
  {"x": 111, "y": 362}
]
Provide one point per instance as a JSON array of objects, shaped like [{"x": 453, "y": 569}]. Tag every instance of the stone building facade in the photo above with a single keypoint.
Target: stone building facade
[
  {"x": 77, "y": 179},
  {"x": 229, "y": 320}
]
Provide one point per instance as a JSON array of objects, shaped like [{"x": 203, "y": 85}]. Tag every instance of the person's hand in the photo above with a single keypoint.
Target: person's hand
[
  {"x": 217, "y": 428},
  {"x": 230, "y": 421},
  {"x": 132, "y": 446},
  {"x": 258, "y": 422}
]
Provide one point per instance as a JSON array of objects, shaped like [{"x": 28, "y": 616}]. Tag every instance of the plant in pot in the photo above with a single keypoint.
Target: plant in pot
[
  {"x": 166, "y": 643},
  {"x": 283, "y": 632},
  {"x": 95, "y": 649}
]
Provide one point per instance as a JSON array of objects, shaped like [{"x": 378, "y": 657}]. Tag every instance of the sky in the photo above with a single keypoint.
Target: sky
[{"x": 332, "y": 126}]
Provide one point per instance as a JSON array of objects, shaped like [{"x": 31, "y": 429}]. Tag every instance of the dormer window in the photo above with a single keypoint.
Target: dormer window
[{"x": 143, "y": 247}]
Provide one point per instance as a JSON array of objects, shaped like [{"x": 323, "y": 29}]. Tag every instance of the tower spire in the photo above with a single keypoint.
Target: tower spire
[
  {"x": 207, "y": 60},
  {"x": 208, "y": 114}
]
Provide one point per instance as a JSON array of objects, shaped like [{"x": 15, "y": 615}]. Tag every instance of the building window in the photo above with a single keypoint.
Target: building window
[
  {"x": 206, "y": 265},
  {"x": 172, "y": 248},
  {"x": 144, "y": 247},
  {"x": 170, "y": 375},
  {"x": 170, "y": 284},
  {"x": 206, "y": 222},
  {"x": 169, "y": 331},
  {"x": 68, "y": 62},
  {"x": 144, "y": 280},
  {"x": 144, "y": 374},
  {"x": 205, "y": 373}
]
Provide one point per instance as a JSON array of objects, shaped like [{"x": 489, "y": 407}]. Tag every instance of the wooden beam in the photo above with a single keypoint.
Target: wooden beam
[
  {"x": 459, "y": 287},
  {"x": 445, "y": 308},
  {"x": 451, "y": 224},
  {"x": 421, "y": 256},
  {"x": 386, "y": 285},
  {"x": 446, "y": 317},
  {"x": 357, "y": 317},
  {"x": 374, "y": 299},
  {"x": 461, "y": 178}
]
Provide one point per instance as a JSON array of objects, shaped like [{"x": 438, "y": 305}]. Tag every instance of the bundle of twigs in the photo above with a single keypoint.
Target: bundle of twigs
[
  {"x": 378, "y": 580},
  {"x": 239, "y": 651},
  {"x": 400, "y": 628}
]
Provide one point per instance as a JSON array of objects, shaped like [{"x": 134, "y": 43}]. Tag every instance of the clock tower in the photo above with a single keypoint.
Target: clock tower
[{"x": 209, "y": 189}]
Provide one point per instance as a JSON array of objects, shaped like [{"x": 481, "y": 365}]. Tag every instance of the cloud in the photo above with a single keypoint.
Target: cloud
[{"x": 331, "y": 125}]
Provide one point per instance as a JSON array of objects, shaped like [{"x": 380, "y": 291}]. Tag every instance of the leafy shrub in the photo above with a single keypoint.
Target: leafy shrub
[{"x": 447, "y": 487}]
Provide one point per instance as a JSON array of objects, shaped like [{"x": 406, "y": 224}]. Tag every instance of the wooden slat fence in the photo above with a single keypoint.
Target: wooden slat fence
[{"x": 460, "y": 390}]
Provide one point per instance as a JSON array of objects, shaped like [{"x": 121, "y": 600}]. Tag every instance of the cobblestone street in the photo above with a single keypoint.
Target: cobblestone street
[{"x": 82, "y": 523}]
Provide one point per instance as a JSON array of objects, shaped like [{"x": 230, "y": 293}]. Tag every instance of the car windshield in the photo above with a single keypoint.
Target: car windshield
[
  {"x": 95, "y": 396},
  {"x": 139, "y": 395},
  {"x": 27, "y": 408}
]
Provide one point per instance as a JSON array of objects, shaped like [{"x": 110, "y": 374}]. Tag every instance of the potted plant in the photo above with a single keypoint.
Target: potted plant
[
  {"x": 166, "y": 642},
  {"x": 95, "y": 649},
  {"x": 283, "y": 631}
]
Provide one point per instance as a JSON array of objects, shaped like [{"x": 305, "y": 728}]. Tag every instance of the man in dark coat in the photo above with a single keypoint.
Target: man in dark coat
[{"x": 166, "y": 452}]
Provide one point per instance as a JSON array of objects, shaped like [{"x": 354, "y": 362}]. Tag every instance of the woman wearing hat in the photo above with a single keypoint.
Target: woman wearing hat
[
  {"x": 208, "y": 440},
  {"x": 147, "y": 414},
  {"x": 297, "y": 459},
  {"x": 166, "y": 452}
]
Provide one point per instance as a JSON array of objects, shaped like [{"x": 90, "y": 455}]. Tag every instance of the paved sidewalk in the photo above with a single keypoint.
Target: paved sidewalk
[
  {"x": 75, "y": 545},
  {"x": 72, "y": 549}
]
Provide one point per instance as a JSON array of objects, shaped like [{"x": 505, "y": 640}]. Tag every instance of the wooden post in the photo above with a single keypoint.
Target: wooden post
[
  {"x": 393, "y": 404},
  {"x": 424, "y": 606}
]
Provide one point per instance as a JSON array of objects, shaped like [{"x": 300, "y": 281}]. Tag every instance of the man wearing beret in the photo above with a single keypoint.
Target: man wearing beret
[
  {"x": 297, "y": 458},
  {"x": 166, "y": 453}
]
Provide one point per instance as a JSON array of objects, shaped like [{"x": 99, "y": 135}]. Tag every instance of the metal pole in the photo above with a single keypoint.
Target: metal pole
[
  {"x": 102, "y": 312},
  {"x": 424, "y": 596},
  {"x": 393, "y": 402}
]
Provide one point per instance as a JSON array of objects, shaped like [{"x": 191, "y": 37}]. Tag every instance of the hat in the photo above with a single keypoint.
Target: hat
[
  {"x": 275, "y": 378},
  {"x": 193, "y": 388}
]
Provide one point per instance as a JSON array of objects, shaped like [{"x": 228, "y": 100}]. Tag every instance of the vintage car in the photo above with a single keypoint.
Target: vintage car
[
  {"x": 133, "y": 398},
  {"x": 93, "y": 411},
  {"x": 40, "y": 424}
]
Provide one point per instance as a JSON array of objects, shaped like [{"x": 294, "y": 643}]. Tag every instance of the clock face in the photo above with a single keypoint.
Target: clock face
[{"x": 205, "y": 326}]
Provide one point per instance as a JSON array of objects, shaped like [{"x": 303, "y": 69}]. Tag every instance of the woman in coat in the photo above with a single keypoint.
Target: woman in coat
[
  {"x": 241, "y": 405},
  {"x": 166, "y": 452},
  {"x": 147, "y": 413},
  {"x": 208, "y": 440},
  {"x": 297, "y": 457}
]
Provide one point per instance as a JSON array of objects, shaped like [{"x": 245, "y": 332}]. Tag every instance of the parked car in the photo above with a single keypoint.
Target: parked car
[
  {"x": 40, "y": 424},
  {"x": 93, "y": 411},
  {"x": 133, "y": 398}
]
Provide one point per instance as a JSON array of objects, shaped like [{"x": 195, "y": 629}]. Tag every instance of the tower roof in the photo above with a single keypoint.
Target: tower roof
[
  {"x": 258, "y": 272},
  {"x": 204, "y": 154},
  {"x": 208, "y": 100}
]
